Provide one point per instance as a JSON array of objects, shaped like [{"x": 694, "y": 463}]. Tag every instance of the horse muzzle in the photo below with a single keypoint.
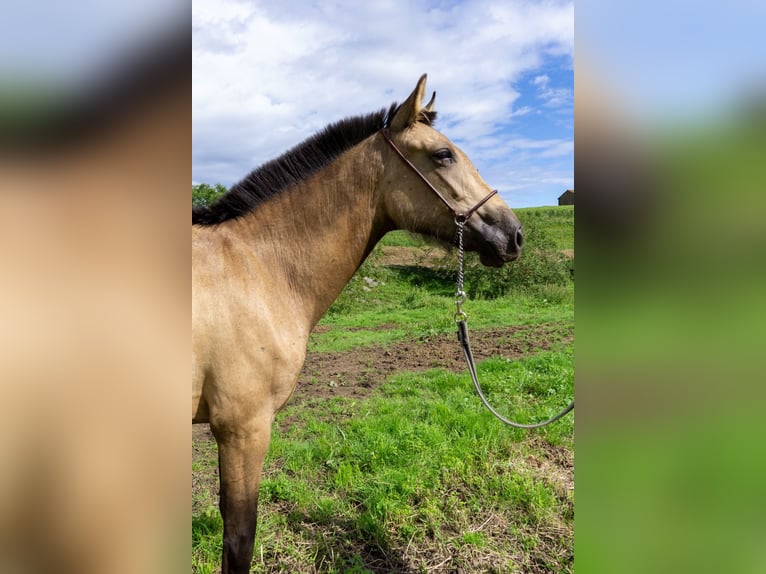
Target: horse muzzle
[{"x": 497, "y": 243}]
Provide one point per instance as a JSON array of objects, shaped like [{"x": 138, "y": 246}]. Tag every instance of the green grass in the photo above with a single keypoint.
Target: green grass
[
  {"x": 558, "y": 222},
  {"x": 417, "y": 475},
  {"x": 421, "y": 465},
  {"x": 436, "y": 318},
  {"x": 207, "y": 533},
  {"x": 673, "y": 323}
]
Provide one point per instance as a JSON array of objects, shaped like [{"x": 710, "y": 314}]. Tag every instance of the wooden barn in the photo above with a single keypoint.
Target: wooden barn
[{"x": 567, "y": 198}]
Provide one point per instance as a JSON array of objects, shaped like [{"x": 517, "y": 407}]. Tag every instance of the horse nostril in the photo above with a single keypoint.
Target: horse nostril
[{"x": 519, "y": 238}]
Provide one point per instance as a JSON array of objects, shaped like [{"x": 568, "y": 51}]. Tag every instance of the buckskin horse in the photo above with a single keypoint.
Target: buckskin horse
[{"x": 272, "y": 254}]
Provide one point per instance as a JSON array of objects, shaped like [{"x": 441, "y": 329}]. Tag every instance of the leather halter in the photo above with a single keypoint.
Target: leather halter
[
  {"x": 458, "y": 215},
  {"x": 460, "y": 316}
]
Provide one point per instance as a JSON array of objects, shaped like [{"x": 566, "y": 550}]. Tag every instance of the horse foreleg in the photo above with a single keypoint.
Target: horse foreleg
[{"x": 240, "y": 461}]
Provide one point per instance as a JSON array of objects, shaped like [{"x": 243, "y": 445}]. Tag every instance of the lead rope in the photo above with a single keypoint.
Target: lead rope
[{"x": 462, "y": 335}]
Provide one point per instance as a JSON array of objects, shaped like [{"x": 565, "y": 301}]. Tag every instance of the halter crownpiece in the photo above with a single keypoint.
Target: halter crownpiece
[{"x": 458, "y": 215}]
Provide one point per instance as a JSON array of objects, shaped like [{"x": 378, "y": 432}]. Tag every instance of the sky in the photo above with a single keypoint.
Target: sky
[
  {"x": 68, "y": 43},
  {"x": 673, "y": 60},
  {"x": 268, "y": 74}
]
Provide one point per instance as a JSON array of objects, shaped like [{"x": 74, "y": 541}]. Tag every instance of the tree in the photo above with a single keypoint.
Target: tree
[{"x": 204, "y": 194}]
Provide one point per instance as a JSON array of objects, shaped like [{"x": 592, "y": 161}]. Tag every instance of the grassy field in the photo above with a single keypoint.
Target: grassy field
[{"x": 385, "y": 460}]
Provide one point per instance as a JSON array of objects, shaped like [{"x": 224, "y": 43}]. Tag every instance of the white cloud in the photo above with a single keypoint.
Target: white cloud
[
  {"x": 545, "y": 147},
  {"x": 267, "y": 75},
  {"x": 552, "y": 97}
]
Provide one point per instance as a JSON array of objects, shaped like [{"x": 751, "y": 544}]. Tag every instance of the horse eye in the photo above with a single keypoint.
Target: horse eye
[{"x": 443, "y": 155}]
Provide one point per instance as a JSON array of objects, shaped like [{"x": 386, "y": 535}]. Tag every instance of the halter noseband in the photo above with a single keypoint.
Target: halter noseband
[{"x": 459, "y": 216}]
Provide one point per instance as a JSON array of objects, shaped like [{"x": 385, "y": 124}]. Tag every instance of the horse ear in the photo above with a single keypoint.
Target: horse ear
[
  {"x": 408, "y": 113},
  {"x": 430, "y": 106}
]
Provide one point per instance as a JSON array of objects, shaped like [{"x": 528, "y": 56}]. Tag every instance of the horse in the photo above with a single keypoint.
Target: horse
[{"x": 272, "y": 254}]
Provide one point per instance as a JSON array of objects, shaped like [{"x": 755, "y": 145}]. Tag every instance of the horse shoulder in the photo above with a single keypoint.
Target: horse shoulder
[{"x": 245, "y": 328}]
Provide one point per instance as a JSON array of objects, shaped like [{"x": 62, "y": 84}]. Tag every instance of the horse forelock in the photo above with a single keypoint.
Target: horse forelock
[
  {"x": 293, "y": 166},
  {"x": 427, "y": 117}
]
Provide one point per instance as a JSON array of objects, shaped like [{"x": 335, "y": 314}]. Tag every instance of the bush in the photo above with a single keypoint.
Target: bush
[
  {"x": 204, "y": 194},
  {"x": 541, "y": 264}
]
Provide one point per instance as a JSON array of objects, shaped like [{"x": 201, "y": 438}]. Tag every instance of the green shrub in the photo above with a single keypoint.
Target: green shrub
[
  {"x": 541, "y": 264},
  {"x": 204, "y": 194}
]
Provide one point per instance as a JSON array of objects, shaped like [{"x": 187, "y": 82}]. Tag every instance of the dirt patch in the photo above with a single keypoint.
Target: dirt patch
[
  {"x": 200, "y": 433},
  {"x": 556, "y": 467},
  {"x": 358, "y": 372},
  {"x": 400, "y": 256},
  {"x": 319, "y": 329}
]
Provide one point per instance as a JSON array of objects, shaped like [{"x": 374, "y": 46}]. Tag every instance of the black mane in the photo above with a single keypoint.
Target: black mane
[{"x": 291, "y": 167}]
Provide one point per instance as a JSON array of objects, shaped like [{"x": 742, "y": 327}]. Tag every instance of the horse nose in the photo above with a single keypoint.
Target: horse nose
[{"x": 516, "y": 239}]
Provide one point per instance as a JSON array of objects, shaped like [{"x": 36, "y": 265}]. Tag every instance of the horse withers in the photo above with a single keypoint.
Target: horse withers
[{"x": 271, "y": 255}]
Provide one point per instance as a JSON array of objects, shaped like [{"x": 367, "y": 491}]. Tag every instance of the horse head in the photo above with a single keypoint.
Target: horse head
[{"x": 432, "y": 182}]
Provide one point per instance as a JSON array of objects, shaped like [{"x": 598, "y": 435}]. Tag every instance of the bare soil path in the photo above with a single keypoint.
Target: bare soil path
[{"x": 357, "y": 373}]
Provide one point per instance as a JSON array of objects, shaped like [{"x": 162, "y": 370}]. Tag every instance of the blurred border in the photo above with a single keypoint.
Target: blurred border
[
  {"x": 94, "y": 300},
  {"x": 670, "y": 309}
]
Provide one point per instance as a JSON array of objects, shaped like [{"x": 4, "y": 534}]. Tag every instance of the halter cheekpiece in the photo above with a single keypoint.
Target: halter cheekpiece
[{"x": 458, "y": 215}]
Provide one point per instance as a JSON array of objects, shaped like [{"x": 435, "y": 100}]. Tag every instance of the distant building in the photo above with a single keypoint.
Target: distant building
[{"x": 567, "y": 198}]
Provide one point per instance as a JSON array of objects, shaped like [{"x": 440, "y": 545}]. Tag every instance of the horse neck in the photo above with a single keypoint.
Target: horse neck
[{"x": 318, "y": 233}]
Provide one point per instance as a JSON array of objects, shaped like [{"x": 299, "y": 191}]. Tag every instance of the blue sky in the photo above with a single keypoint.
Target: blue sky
[
  {"x": 265, "y": 78},
  {"x": 671, "y": 60}
]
